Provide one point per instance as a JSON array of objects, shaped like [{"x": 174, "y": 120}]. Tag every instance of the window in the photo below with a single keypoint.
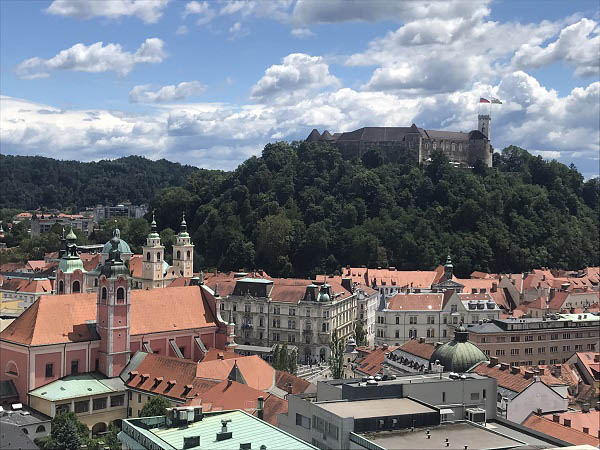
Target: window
[
  {"x": 431, "y": 333},
  {"x": 475, "y": 319},
  {"x": 276, "y": 310},
  {"x": 61, "y": 287},
  {"x": 318, "y": 424},
  {"x": 275, "y": 336},
  {"x": 430, "y": 320},
  {"x": 483, "y": 340},
  {"x": 397, "y": 333},
  {"x": 566, "y": 335},
  {"x": 104, "y": 294},
  {"x": 75, "y": 366},
  {"x": 292, "y": 324},
  {"x": 189, "y": 253},
  {"x": 325, "y": 327},
  {"x": 579, "y": 335},
  {"x": 528, "y": 338},
  {"x": 99, "y": 403},
  {"x": 514, "y": 351},
  {"x": 445, "y": 320},
  {"x": 148, "y": 256},
  {"x": 158, "y": 256},
  {"x": 474, "y": 395},
  {"x": 291, "y": 338},
  {"x": 222, "y": 307},
  {"x": 234, "y": 307},
  {"x": 292, "y": 312},
  {"x": 261, "y": 321},
  {"x": 591, "y": 346},
  {"x": 412, "y": 320},
  {"x": 325, "y": 314},
  {"x": 542, "y": 350},
  {"x": 40, "y": 429},
  {"x": 11, "y": 368},
  {"x": 541, "y": 362},
  {"x": 443, "y": 397},
  {"x": 247, "y": 308},
  {"x": 82, "y": 406},
  {"x": 501, "y": 339},
  {"x": 397, "y": 320},
  {"x": 484, "y": 394},
  {"x": 49, "y": 370},
  {"x": 276, "y": 323},
  {"x": 529, "y": 351},
  {"x": 445, "y": 333},
  {"x": 554, "y": 336},
  {"x": 499, "y": 352},
  {"x": 332, "y": 431},
  {"x": 412, "y": 333},
  {"x": 117, "y": 400},
  {"x": 515, "y": 339},
  {"x": 307, "y": 312},
  {"x": 566, "y": 348},
  {"x": 76, "y": 287},
  {"x": 302, "y": 421},
  {"x": 64, "y": 408},
  {"x": 553, "y": 349},
  {"x": 541, "y": 337},
  {"x": 453, "y": 308},
  {"x": 120, "y": 295}
]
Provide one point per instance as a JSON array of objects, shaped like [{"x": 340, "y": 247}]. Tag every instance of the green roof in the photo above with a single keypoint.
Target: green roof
[
  {"x": 80, "y": 385},
  {"x": 70, "y": 264},
  {"x": 123, "y": 247},
  {"x": 458, "y": 355},
  {"x": 244, "y": 427}
]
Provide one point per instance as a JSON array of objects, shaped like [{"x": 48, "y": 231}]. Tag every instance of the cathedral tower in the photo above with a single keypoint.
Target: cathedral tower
[
  {"x": 484, "y": 124},
  {"x": 69, "y": 275},
  {"x": 153, "y": 255},
  {"x": 183, "y": 251},
  {"x": 112, "y": 314}
]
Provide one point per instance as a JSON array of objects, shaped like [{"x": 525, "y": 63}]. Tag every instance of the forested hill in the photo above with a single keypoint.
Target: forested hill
[
  {"x": 30, "y": 182},
  {"x": 301, "y": 209}
]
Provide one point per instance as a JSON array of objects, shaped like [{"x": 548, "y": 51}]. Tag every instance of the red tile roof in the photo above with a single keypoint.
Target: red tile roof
[
  {"x": 591, "y": 361},
  {"x": 36, "y": 264},
  {"x": 151, "y": 311},
  {"x": 135, "y": 265},
  {"x": 546, "y": 425},
  {"x": 291, "y": 383},
  {"x": 256, "y": 371},
  {"x": 372, "y": 364},
  {"x": 31, "y": 286},
  {"x": 420, "y": 349},
  {"x": 391, "y": 277},
  {"x": 215, "y": 353},
  {"x": 160, "y": 370},
  {"x": 416, "y": 302},
  {"x": 514, "y": 382}
]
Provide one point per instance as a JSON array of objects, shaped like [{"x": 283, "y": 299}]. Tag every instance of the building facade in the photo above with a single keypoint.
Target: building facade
[{"x": 531, "y": 341}]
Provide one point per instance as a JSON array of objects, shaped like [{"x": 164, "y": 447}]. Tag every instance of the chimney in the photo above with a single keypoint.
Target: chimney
[
  {"x": 504, "y": 366},
  {"x": 567, "y": 423},
  {"x": 585, "y": 408},
  {"x": 555, "y": 418},
  {"x": 528, "y": 374},
  {"x": 541, "y": 370},
  {"x": 514, "y": 370},
  {"x": 220, "y": 356},
  {"x": 260, "y": 408},
  {"x": 538, "y": 411},
  {"x": 493, "y": 361},
  {"x": 224, "y": 434}
]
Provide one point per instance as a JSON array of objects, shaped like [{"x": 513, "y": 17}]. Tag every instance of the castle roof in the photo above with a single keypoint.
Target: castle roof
[{"x": 151, "y": 312}]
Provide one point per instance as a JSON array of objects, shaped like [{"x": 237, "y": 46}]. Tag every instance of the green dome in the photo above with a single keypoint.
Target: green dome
[
  {"x": 458, "y": 355},
  {"x": 123, "y": 246},
  {"x": 70, "y": 264}
]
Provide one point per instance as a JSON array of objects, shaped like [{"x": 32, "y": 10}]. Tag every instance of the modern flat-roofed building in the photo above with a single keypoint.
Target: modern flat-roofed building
[
  {"x": 528, "y": 341},
  {"x": 190, "y": 428}
]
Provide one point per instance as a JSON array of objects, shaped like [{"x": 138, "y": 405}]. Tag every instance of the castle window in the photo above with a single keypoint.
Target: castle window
[
  {"x": 76, "y": 287},
  {"x": 189, "y": 254},
  {"x": 158, "y": 256},
  {"x": 148, "y": 256},
  {"x": 104, "y": 294},
  {"x": 61, "y": 287},
  {"x": 178, "y": 254},
  {"x": 120, "y": 295}
]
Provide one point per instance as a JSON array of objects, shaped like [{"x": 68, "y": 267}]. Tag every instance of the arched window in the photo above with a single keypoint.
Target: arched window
[
  {"x": 61, "y": 287},
  {"x": 12, "y": 369},
  {"x": 76, "y": 287},
  {"x": 178, "y": 254},
  {"x": 189, "y": 254},
  {"x": 148, "y": 256},
  {"x": 104, "y": 294},
  {"x": 40, "y": 429},
  {"x": 158, "y": 256},
  {"x": 120, "y": 295}
]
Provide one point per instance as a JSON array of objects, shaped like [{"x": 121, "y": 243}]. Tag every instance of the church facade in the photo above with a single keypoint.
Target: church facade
[{"x": 414, "y": 143}]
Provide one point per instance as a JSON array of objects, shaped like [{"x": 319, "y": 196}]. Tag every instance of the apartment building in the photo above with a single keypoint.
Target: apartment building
[
  {"x": 529, "y": 341},
  {"x": 432, "y": 316},
  {"x": 303, "y": 313}
]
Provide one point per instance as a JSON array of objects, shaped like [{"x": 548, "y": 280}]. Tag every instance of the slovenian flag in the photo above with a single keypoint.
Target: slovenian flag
[
  {"x": 483, "y": 100},
  {"x": 495, "y": 100}
]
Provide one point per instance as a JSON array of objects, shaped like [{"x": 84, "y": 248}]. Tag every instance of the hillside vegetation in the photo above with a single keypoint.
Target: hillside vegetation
[{"x": 300, "y": 209}]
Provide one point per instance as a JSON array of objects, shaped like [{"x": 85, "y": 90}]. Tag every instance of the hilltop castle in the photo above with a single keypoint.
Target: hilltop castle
[{"x": 463, "y": 149}]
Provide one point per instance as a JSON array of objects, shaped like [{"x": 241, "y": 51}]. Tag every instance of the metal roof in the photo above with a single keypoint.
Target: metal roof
[{"x": 80, "y": 385}]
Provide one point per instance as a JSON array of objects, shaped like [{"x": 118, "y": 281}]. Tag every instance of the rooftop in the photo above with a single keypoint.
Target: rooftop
[
  {"x": 558, "y": 430},
  {"x": 80, "y": 385},
  {"x": 362, "y": 409},
  {"x": 244, "y": 428},
  {"x": 458, "y": 434},
  {"x": 22, "y": 416}
]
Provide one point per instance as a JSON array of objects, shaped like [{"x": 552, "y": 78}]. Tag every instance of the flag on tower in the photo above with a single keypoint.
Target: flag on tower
[
  {"x": 495, "y": 100},
  {"x": 483, "y": 100}
]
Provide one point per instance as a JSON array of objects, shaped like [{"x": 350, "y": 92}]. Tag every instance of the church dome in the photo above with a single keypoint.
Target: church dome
[
  {"x": 458, "y": 355},
  {"x": 123, "y": 246}
]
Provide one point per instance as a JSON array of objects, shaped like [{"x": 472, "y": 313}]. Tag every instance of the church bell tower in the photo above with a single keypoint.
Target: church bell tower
[
  {"x": 183, "y": 251},
  {"x": 153, "y": 256}
]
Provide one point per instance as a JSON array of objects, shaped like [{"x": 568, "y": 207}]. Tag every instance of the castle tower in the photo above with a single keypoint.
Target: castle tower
[
  {"x": 153, "y": 255},
  {"x": 69, "y": 275},
  {"x": 484, "y": 124},
  {"x": 448, "y": 269},
  {"x": 112, "y": 314},
  {"x": 183, "y": 251}
]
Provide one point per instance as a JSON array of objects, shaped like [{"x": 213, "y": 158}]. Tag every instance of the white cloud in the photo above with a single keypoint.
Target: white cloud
[
  {"x": 144, "y": 94},
  {"x": 302, "y": 33},
  {"x": 147, "y": 10},
  {"x": 96, "y": 57},
  {"x": 181, "y": 30},
  {"x": 547, "y": 154},
  {"x": 203, "y": 10},
  {"x": 577, "y": 44},
  {"x": 237, "y": 30},
  {"x": 299, "y": 75}
]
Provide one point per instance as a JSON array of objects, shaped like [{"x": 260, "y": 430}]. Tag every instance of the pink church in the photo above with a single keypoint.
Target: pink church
[{"x": 61, "y": 335}]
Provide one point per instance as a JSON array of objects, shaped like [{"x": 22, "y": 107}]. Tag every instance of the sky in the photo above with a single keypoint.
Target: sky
[{"x": 209, "y": 83}]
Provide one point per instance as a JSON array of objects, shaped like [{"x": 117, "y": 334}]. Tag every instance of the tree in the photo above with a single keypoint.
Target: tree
[
  {"x": 283, "y": 358},
  {"x": 67, "y": 433},
  {"x": 276, "y": 353},
  {"x": 336, "y": 358},
  {"x": 293, "y": 362},
  {"x": 156, "y": 406},
  {"x": 360, "y": 334},
  {"x": 372, "y": 158}
]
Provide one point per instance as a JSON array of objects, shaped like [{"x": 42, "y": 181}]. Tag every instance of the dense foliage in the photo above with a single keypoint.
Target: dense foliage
[
  {"x": 156, "y": 406},
  {"x": 31, "y": 182},
  {"x": 284, "y": 359},
  {"x": 300, "y": 209},
  {"x": 68, "y": 433}
]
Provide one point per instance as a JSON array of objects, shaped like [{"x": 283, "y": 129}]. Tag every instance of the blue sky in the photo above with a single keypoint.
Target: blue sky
[{"x": 210, "y": 82}]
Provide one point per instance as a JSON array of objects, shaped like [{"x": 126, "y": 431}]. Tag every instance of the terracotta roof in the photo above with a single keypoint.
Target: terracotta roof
[
  {"x": 474, "y": 283},
  {"x": 36, "y": 264},
  {"x": 416, "y": 302},
  {"x": 591, "y": 364},
  {"x": 161, "y": 370},
  {"x": 546, "y": 425},
  {"x": 255, "y": 370},
  {"x": 228, "y": 395},
  {"x": 372, "y": 364},
  {"x": 514, "y": 382},
  {"x": 214, "y": 353},
  {"x": 151, "y": 311},
  {"x": 135, "y": 265},
  {"x": 285, "y": 381},
  {"x": 420, "y": 349},
  {"x": 482, "y": 275},
  {"x": 90, "y": 260},
  {"x": 558, "y": 300},
  {"x": 11, "y": 267},
  {"x": 31, "y": 286},
  {"x": 179, "y": 282}
]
